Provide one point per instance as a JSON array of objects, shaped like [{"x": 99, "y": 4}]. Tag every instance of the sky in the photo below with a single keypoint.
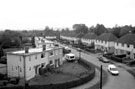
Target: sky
[{"x": 36, "y": 14}]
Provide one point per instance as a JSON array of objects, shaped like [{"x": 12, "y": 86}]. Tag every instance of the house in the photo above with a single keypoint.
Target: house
[
  {"x": 105, "y": 42},
  {"x": 26, "y": 63},
  {"x": 88, "y": 39},
  {"x": 40, "y": 41},
  {"x": 126, "y": 46},
  {"x": 71, "y": 37}
]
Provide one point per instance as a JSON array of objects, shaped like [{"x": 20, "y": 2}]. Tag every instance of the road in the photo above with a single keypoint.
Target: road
[{"x": 123, "y": 81}]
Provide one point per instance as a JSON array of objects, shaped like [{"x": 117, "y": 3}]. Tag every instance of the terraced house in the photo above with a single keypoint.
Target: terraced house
[
  {"x": 106, "y": 42},
  {"x": 40, "y": 41},
  {"x": 71, "y": 37},
  {"x": 88, "y": 39},
  {"x": 26, "y": 63},
  {"x": 126, "y": 46}
]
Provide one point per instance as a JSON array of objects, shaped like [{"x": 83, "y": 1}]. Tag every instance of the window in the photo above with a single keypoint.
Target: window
[
  {"x": 42, "y": 55},
  {"x": 51, "y": 62},
  {"x": 30, "y": 58},
  {"x": 35, "y": 56},
  {"x": 20, "y": 59},
  {"x": 51, "y": 53},
  {"x": 20, "y": 70},
  {"x": 127, "y": 45}
]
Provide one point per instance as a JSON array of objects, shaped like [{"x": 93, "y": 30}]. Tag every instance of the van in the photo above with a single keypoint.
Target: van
[{"x": 70, "y": 57}]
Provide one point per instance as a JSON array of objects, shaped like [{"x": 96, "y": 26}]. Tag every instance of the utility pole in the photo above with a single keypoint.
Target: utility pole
[
  {"x": 24, "y": 68},
  {"x": 101, "y": 77}
]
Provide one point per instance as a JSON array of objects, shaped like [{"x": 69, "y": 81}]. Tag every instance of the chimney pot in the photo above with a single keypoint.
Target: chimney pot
[
  {"x": 26, "y": 50},
  {"x": 44, "y": 47}
]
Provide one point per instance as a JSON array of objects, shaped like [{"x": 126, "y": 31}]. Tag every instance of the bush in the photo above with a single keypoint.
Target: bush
[{"x": 131, "y": 63}]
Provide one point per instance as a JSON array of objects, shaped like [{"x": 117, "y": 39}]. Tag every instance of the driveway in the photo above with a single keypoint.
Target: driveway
[{"x": 123, "y": 81}]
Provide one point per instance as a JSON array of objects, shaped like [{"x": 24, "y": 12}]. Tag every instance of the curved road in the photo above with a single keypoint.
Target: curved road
[{"x": 123, "y": 81}]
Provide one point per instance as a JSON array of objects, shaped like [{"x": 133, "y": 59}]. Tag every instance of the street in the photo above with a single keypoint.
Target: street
[{"x": 123, "y": 81}]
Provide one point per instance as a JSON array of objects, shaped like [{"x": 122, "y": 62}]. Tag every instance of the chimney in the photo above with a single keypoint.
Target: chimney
[
  {"x": 44, "y": 47},
  {"x": 26, "y": 49}
]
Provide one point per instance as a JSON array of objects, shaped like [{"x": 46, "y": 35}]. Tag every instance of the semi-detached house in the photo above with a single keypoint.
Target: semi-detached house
[
  {"x": 126, "y": 46},
  {"x": 88, "y": 39},
  {"x": 26, "y": 63},
  {"x": 106, "y": 42}
]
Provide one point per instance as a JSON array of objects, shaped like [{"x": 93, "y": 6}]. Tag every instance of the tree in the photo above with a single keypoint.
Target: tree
[
  {"x": 80, "y": 28},
  {"x": 10, "y": 38},
  {"x": 116, "y": 31},
  {"x": 125, "y": 30},
  {"x": 99, "y": 29},
  {"x": 1, "y": 51}
]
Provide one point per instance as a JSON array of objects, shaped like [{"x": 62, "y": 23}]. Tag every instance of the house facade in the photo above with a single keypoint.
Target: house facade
[
  {"x": 71, "y": 37},
  {"x": 126, "y": 46},
  {"x": 88, "y": 39},
  {"x": 106, "y": 42},
  {"x": 40, "y": 41},
  {"x": 26, "y": 63}
]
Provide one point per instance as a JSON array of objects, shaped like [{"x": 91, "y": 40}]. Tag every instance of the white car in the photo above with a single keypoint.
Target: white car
[
  {"x": 113, "y": 70},
  {"x": 70, "y": 57}
]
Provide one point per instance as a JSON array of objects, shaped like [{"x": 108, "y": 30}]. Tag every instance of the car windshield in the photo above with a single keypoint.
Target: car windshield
[
  {"x": 105, "y": 59},
  {"x": 113, "y": 69},
  {"x": 71, "y": 56}
]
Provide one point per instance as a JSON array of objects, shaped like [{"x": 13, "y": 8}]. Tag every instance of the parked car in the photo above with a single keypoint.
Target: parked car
[
  {"x": 70, "y": 57},
  {"x": 113, "y": 70},
  {"x": 103, "y": 59}
]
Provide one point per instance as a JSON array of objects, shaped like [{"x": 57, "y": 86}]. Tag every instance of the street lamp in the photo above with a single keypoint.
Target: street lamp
[
  {"x": 101, "y": 69},
  {"x": 78, "y": 49}
]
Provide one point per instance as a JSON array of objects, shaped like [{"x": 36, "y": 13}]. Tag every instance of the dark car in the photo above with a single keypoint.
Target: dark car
[{"x": 103, "y": 59}]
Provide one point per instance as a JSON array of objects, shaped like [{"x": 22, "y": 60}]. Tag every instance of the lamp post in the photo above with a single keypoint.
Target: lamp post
[
  {"x": 78, "y": 49},
  {"x": 101, "y": 77}
]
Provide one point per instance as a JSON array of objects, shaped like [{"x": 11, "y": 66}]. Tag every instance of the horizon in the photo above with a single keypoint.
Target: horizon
[{"x": 37, "y": 14}]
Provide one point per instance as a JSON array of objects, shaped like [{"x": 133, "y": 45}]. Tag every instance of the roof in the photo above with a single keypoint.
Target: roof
[
  {"x": 127, "y": 39},
  {"x": 32, "y": 51},
  {"x": 90, "y": 36},
  {"x": 70, "y": 54},
  {"x": 112, "y": 66},
  {"x": 70, "y": 34},
  {"x": 107, "y": 37}
]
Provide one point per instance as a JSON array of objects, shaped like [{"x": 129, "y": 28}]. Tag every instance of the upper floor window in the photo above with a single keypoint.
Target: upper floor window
[
  {"x": 35, "y": 56},
  {"x": 50, "y": 62},
  {"x": 51, "y": 53},
  {"x": 42, "y": 55},
  {"x": 30, "y": 58},
  {"x": 20, "y": 59},
  {"x": 20, "y": 70},
  {"x": 128, "y": 45}
]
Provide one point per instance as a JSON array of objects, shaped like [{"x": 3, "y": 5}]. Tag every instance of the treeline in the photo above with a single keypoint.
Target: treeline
[
  {"x": 10, "y": 38},
  {"x": 118, "y": 31}
]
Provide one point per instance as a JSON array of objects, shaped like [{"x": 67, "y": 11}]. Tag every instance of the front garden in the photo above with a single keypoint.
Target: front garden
[{"x": 70, "y": 74}]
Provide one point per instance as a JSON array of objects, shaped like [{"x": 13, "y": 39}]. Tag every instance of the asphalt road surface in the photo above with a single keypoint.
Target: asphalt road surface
[{"x": 123, "y": 81}]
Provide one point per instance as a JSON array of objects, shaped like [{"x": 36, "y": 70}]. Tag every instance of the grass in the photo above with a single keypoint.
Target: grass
[{"x": 68, "y": 72}]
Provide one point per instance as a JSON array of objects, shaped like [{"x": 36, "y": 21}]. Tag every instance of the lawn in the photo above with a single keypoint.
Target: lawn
[{"x": 66, "y": 72}]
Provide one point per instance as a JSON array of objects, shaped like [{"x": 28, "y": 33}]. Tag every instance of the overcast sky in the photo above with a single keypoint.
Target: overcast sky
[{"x": 36, "y": 14}]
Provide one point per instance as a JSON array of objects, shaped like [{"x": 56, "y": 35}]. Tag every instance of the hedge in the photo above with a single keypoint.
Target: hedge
[
  {"x": 113, "y": 57},
  {"x": 68, "y": 84}
]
